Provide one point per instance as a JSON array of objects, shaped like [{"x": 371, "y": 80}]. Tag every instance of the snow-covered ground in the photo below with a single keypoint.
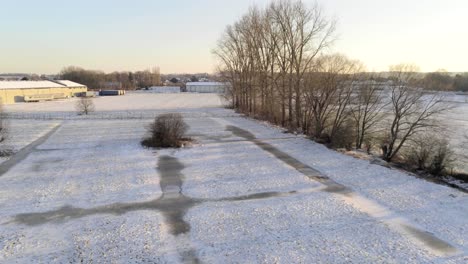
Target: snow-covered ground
[
  {"x": 91, "y": 193},
  {"x": 21, "y": 133},
  {"x": 133, "y": 105}
]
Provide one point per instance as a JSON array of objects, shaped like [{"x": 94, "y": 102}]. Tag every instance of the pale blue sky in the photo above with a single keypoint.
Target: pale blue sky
[{"x": 178, "y": 35}]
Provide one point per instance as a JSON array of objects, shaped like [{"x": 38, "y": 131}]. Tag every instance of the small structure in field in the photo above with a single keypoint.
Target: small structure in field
[
  {"x": 87, "y": 94},
  {"x": 206, "y": 87},
  {"x": 111, "y": 92},
  {"x": 34, "y": 91}
]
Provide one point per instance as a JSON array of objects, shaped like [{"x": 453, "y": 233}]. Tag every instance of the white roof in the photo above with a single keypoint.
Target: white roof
[
  {"x": 205, "y": 84},
  {"x": 70, "y": 83},
  {"x": 37, "y": 84}
]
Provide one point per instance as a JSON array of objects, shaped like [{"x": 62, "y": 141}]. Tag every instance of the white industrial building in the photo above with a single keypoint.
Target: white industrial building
[
  {"x": 30, "y": 91},
  {"x": 164, "y": 89},
  {"x": 206, "y": 87}
]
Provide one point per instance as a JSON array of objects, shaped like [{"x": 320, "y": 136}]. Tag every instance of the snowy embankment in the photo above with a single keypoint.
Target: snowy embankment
[{"x": 91, "y": 193}]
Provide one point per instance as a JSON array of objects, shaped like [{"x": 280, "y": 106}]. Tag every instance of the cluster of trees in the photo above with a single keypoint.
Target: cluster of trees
[
  {"x": 444, "y": 81},
  {"x": 267, "y": 57},
  {"x": 115, "y": 80},
  {"x": 277, "y": 62},
  {"x": 460, "y": 82}
]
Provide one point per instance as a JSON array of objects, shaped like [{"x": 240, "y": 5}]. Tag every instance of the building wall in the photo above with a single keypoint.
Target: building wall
[
  {"x": 206, "y": 88},
  {"x": 11, "y": 96}
]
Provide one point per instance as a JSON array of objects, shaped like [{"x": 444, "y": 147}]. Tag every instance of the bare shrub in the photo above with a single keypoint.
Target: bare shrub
[
  {"x": 85, "y": 105},
  {"x": 430, "y": 153},
  {"x": 167, "y": 131},
  {"x": 442, "y": 159},
  {"x": 419, "y": 153},
  {"x": 344, "y": 136}
]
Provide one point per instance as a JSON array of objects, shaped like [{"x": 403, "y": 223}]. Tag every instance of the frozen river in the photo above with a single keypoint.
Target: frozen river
[{"x": 456, "y": 129}]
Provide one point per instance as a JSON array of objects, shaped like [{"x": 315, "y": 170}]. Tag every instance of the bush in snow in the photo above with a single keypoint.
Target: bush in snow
[
  {"x": 344, "y": 136},
  {"x": 167, "y": 131},
  {"x": 442, "y": 158},
  {"x": 430, "y": 153}
]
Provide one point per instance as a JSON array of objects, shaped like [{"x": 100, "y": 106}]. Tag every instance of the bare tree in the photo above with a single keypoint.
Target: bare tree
[
  {"x": 304, "y": 33},
  {"x": 412, "y": 109},
  {"x": 328, "y": 95},
  {"x": 85, "y": 105},
  {"x": 367, "y": 109}
]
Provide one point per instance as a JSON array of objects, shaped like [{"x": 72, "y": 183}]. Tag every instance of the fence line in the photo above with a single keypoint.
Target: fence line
[{"x": 111, "y": 115}]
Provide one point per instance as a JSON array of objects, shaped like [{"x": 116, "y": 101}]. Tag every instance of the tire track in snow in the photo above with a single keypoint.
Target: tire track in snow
[
  {"x": 417, "y": 234},
  {"x": 177, "y": 205},
  {"x": 24, "y": 152},
  {"x": 173, "y": 205}
]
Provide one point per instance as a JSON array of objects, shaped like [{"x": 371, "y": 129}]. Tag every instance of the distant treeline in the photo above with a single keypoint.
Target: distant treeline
[
  {"x": 437, "y": 81},
  {"x": 115, "y": 80}
]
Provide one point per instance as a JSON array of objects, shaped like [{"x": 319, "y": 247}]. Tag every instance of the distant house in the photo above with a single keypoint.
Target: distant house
[
  {"x": 206, "y": 87},
  {"x": 21, "y": 91}
]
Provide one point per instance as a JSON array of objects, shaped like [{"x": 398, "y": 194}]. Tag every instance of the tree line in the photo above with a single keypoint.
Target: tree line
[
  {"x": 115, "y": 80},
  {"x": 441, "y": 80},
  {"x": 280, "y": 69}
]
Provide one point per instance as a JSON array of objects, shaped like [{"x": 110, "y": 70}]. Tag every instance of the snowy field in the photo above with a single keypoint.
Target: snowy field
[
  {"x": 145, "y": 105},
  {"x": 136, "y": 105},
  {"x": 130, "y": 101},
  {"x": 245, "y": 192}
]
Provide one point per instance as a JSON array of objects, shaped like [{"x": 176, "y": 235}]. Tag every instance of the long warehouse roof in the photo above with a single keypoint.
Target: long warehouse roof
[
  {"x": 38, "y": 84},
  {"x": 205, "y": 83}
]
